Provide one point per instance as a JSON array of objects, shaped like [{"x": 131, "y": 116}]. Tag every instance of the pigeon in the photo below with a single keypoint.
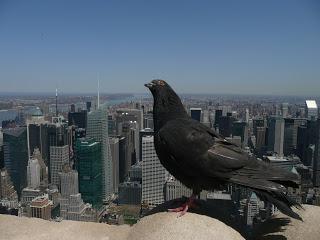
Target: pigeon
[{"x": 202, "y": 159}]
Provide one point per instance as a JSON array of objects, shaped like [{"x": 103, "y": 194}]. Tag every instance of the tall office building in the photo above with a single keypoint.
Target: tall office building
[
  {"x": 69, "y": 183},
  {"x": 148, "y": 120},
  {"x": 130, "y": 193},
  {"x": 206, "y": 118},
  {"x": 276, "y": 134},
  {"x": 7, "y": 191},
  {"x": 78, "y": 119},
  {"x": 153, "y": 174},
  {"x": 89, "y": 166},
  {"x": 260, "y": 137},
  {"x": 144, "y": 132},
  {"x": 316, "y": 162},
  {"x": 218, "y": 114},
  {"x": 252, "y": 208},
  {"x": 257, "y": 122},
  {"x": 56, "y": 134},
  {"x": 122, "y": 158},
  {"x": 284, "y": 109},
  {"x": 175, "y": 189},
  {"x": 1, "y": 156},
  {"x": 34, "y": 136},
  {"x": 225, "y": 125},
  {"x": 114, "y": 146},
  {"x": 59, "y": 156},
  {"x": 97, "y": 128},
  {"x": 196, "y": 113},
  {"x": 16, "y": 156},
  {"x": 33, "y": 173},
  {"x": 240, "y": 129},
  {"x": 311, "y": 109},
  {"x": 88, "y": 105},
  {"x": 72, "y": 206},
  {"x": 127, "y": 115},
  {"x": 112, "y": 129},
  {"x": 291, "y": 133},
  {"x": 43, "y": 168},
  {"x": 247, "y": 116}
]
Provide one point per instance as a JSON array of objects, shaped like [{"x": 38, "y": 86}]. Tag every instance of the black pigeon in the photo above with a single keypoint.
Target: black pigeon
[{"x": 202, "y": 159}]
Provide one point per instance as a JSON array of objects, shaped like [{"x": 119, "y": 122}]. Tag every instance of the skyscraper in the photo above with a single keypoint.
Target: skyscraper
[
  {"x": 54, "y": 134},
  {"x": 240, "y": 129},
  {"x": 33, "y": 173},
  {"x": 153, "y": 174},
  {"x": 114, "y": 146},
  {"x": 72, "y": 206},
  {"x": 89, "y": 166},
  {"x": 97, "y": 128},
  {"x": 276, "y": 134},
  {"x": 247, "y": 116},
  {"x": 59, "y": 156},
  {"x": 252, "y": 208},
  {"x": 218, "y": 114},
  {"x": 225, "y": 125},
  {"x": 78, "y": 119},
  {"x": 16, "y": 156},
  {"x": 311, "y": 109},
  {"x": 196, "y": 113},
  {"x": 7, "y": 191},
  {"x": 284, "y": 110},
  {"x": 1, "y": 156},
  {"x": 316, "y": 162}
]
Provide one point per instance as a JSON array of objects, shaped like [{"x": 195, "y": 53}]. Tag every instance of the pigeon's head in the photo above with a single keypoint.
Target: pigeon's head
[
  {"x": 166, "y": 101},
  {"x": 157, "y": 86}
]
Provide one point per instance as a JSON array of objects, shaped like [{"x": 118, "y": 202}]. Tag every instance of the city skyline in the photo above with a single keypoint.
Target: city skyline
[{"x": 250, "y": 48}]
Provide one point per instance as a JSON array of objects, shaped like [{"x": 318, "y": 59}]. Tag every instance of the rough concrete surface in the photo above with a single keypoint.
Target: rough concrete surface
[
  {"x": 157, "y": 226},
  {"x": 190, "y": 226},
  {"x": 161, "y": 225},
  {"x": 281, "y": 227},
  {"x": 22, "y": 228}
]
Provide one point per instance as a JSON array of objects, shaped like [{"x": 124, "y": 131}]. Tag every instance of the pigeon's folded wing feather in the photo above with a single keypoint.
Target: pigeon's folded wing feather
[
  {"x": 200, "y": 148},
  {"x": 197, "y": 147}
]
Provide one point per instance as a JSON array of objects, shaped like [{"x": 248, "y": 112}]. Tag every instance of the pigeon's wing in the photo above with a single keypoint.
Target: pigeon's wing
[{"x": 193, "y": 145}]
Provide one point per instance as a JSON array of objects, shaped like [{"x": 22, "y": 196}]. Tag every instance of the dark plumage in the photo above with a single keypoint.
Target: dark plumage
[{"x": 202, "y": 159}]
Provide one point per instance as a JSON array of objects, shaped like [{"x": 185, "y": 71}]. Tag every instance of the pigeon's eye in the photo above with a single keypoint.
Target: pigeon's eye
[{"x": 161, "y": 83}]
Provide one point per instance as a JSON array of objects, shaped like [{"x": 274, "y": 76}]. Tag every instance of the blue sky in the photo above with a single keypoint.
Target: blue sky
[{"x": 245, "y": 47}]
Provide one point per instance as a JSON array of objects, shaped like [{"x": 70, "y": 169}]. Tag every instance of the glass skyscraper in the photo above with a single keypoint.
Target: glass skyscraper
[
  {"x": 89, "y": 166},
  {"x": 16, "y": 156},
  {"x": 97, "y": 128}
]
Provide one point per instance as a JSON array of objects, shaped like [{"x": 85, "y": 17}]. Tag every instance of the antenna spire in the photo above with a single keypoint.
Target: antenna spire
[
  {"x": 98, "y": 101},
  {"x": 56, "y": 102}
]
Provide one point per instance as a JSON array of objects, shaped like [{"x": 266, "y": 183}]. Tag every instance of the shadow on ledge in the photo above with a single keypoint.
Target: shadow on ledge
[{"x": 224, "y": 214}]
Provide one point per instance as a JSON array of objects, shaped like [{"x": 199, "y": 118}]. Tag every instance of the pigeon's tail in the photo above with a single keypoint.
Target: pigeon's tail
[
  {"x": 282, "y": 201},
  {"x": 272, "y": 192}
]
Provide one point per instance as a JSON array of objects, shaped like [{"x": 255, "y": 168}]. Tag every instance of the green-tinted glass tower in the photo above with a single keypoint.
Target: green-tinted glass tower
[
  {"x": 89, "y": 166},
  {"x": 15, "y": 148}
]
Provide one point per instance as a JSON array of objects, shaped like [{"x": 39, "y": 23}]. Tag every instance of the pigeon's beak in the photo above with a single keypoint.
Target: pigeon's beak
[{"x": 149, "y": 85}]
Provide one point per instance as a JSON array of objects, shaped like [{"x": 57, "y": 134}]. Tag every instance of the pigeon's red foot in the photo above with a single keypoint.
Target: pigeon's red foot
[{"x": 190, "y": 203}]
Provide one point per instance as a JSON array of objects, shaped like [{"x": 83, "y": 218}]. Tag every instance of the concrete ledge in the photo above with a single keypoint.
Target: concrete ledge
[
  {"x": 161, "y": 225},
  {"x": 22, "y": 228},
  {"x": 190, "y": 226},
  {"x": 280, "y": 227},
  {"x": 156, "y": 226}
]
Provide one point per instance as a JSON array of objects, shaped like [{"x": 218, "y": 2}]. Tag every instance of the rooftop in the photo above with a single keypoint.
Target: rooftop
[{"x": 311, "y": 104}]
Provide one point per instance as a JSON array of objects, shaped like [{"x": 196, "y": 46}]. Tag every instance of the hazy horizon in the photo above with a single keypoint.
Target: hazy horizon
[{"x": 200, "y": 47}]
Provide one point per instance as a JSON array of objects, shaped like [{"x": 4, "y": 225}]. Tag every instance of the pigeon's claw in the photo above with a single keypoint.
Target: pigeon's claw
[{"x": 185, "y": 207}]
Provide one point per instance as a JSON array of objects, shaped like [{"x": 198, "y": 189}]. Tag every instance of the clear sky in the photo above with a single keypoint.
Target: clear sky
[{"x": 240, "y": 46}]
